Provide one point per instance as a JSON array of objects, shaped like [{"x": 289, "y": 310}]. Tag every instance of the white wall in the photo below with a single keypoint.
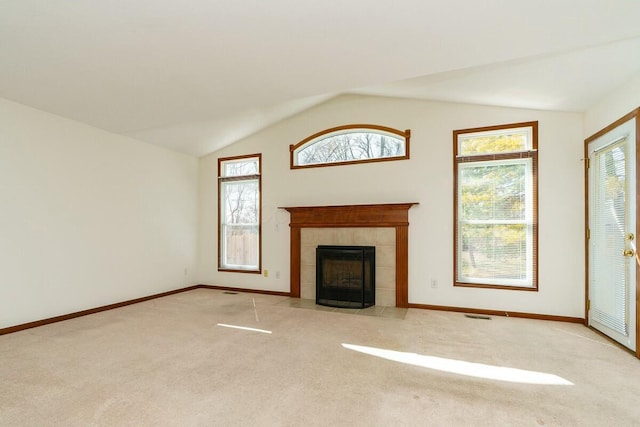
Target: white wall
[
  {"x": 616, "y": 105},
  {"x": 425, "y": 178},
  {"x": 88, "y": 218}
]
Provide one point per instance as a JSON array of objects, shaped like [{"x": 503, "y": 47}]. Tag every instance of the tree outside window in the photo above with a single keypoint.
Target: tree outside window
[
  {"x": 496, "y": 206},
  {"x": 350, "y": 144},
  {"x": 239, "y": 213}
]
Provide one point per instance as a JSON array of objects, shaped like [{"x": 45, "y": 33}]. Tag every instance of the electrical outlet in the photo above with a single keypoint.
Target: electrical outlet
[
  {"x": 266, "y": 273},
  {"x": 277, "y": 274},
  {"x": 434, "y": 283},
  {"x": 186, "y": 271}
]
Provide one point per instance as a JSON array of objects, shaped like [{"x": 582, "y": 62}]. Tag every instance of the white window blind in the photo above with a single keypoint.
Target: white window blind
[
  {"x": 608, "y": 281},
  {"x": 495, "y": 221}
]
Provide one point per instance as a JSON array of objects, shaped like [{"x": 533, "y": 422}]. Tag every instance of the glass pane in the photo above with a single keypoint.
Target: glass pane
[
  {"x": 241, "y": 202},
  {"x": 608, "y": 269},
  {"x": 494, "y": 254},
  {"x": 493, "y": 190},
  {"x": 493, "y": 142},
  {"x": 240, "y": 167},
  {"x": 350, "y": 147},
  {"x": 241, "y": 243}
]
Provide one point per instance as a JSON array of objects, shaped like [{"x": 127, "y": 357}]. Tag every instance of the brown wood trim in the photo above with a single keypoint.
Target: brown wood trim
[
  {"x": 42, "y": 322},
  {"x": 220, "y": 180},
  {"x": 585, "y": 159},
  {"x": 637, "y": 114},
  {"x": 629, "y": 116},
  {"x": 238, "y": 270},
  {"x": 533, "y": 124},
  {"x": 402, "y": 266},
  {"x": 245, "y": 290},
  {"x": 506, "y": 288},
  {"x": 392, "y": 215},
  {"x": 406, "y": 135},
  {"x": 259, "y": 214},
  {"x": 375, "y": 215},
  {"x": 295, "y": 261},
  {"x": 612, "y": 126},
  {"x": 498, "y": 156},
  {"x": 455, "y": 208},
  {"x": 350, "y": 162},
  {"x": 499, "y": 313},
  {"x": 347, "y": 224},
  {"x": 34, "y": 324}
]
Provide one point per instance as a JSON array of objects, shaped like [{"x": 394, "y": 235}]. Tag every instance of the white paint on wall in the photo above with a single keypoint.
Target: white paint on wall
[
  {"x": 426, "y": 178},
  {"x": 616, "y": 105},
  {"x": 88, "y": 218}
]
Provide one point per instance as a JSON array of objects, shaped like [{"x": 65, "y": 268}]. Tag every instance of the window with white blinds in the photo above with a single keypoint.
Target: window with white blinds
[{"x": 496, "y": 206}]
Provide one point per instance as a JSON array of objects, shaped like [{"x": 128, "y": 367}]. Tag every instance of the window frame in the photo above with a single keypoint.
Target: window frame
[
  {"x": 221, "y": 181},
  {"x": 344, "y": 129},
  {"x": 497, "y": 159}
]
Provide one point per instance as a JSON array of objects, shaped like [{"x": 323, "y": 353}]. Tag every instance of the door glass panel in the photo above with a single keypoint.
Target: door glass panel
[{"x": 608, "y": 270}]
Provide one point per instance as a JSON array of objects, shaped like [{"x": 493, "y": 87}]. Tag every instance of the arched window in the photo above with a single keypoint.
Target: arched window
[{"x": 350, "y": 144}]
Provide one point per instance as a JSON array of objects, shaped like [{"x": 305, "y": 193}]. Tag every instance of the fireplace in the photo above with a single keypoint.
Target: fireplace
[
  {"x": 394, "y": 215},
  {"x": 345, "y": 276}
]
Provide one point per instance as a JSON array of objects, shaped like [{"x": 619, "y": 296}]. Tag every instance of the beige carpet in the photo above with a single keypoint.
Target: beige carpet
[{"x": 171, "y": 362}]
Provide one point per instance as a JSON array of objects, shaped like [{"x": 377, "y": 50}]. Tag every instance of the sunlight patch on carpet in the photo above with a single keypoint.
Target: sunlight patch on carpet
[
  {"x": 460, "y": 367},
  {"x": 244, "y": 328}
]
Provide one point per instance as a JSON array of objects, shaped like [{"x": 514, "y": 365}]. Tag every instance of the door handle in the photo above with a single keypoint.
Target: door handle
[
  {"x": 628, "y": 252},
  {"x": 635, "y": 252}
]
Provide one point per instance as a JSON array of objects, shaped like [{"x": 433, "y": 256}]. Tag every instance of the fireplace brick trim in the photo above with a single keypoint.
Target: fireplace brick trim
[{"x": 395, "y": 215}]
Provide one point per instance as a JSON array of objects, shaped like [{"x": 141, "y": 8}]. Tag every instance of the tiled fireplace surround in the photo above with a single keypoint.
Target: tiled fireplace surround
[
  {"x": 384, "y": 226},
  {"x": 384, "y": 239}
]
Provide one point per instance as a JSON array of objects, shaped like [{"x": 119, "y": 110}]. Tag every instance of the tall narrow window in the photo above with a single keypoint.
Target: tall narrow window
[
  {"x": 496, "y": 228},
  {"x": 239, "y": 214}
]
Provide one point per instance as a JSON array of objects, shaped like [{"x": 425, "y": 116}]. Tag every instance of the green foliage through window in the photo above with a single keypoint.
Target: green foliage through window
[
  {"x": 496, "y": 204},
  {"x": 486, "y": 143}
]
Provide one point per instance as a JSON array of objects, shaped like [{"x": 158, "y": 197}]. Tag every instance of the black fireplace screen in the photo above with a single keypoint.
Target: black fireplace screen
[{"x": 345, "y": 276}]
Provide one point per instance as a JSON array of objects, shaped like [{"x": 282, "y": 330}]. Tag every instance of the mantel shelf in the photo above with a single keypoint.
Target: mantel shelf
[{"x": 374, "y": 215}]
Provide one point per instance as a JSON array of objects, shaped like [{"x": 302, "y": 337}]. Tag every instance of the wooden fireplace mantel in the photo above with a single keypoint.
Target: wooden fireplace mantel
[{"x": 393, "y": 215}]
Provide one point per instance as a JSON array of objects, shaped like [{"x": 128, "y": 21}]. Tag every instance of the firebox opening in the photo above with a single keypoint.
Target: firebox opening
[{"x": 345, "y": 276}]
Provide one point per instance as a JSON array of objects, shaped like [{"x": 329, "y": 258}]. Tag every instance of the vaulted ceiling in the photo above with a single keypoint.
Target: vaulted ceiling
[{"x": 196, "y": 75}]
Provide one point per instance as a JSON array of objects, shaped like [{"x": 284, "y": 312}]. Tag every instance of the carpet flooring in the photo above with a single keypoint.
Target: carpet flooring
[{"x": 210, "y": 358}]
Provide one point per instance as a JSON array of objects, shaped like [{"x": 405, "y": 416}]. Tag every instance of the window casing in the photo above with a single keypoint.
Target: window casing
[
  {"x": 239, "y": 214},
  {"x": 350, "y": 144},
  {"x": 495, "y": 205}
]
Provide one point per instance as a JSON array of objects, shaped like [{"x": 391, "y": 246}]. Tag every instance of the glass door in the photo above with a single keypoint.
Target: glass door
[{"x": 612, "y": 255}]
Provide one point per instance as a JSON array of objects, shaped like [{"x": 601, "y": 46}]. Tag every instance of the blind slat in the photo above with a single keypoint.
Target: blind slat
[{"x": 608, "y": 281}]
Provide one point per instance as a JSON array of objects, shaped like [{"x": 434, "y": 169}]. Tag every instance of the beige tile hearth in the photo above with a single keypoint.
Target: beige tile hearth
[{"x": 376, "y": 310}]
